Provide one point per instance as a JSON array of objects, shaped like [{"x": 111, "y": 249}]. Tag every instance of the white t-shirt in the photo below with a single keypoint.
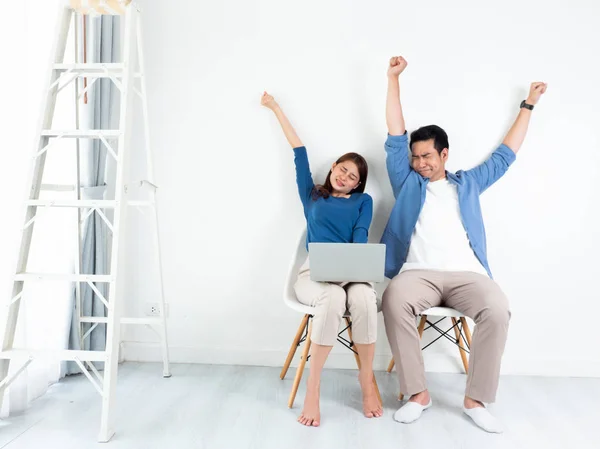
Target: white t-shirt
[{"x": 439, "y": 241}]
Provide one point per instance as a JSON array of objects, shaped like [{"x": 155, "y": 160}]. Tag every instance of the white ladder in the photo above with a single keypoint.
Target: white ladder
[{"x": 124, "y": 76}]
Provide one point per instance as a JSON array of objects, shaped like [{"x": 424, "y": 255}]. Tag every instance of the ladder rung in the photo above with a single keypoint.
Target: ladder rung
[
  {"x": 92, "y": 356},
  {"x": 82, "y": 133},
  {"x": 101, "y": 204},
  {"x": 96, "y": 70},
  {"x": 103, "y": 319},
  {"x": 58, "y": 187},
  {"x": 91, "y": 67},
  {"x": 64, "y": 277}
]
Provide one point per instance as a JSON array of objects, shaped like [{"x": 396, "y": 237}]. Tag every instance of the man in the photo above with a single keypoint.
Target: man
[{"x": 436, "y": 253}]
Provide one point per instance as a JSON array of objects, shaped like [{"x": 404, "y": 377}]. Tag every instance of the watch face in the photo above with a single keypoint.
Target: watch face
[{"x": 526, "y": 106}]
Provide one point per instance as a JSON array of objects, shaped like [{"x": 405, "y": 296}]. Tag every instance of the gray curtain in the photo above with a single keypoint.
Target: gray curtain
[{"x": 102, "y": 40}]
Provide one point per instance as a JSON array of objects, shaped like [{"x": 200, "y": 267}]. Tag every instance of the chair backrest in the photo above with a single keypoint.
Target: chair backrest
[{"x": 298, "y": 258}]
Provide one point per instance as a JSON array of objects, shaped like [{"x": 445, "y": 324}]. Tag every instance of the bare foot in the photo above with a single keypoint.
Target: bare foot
[
  {"x": 371, "y": 405},
  {"x": 422, "y": 398},
  {"x": 311, "y": 415}
]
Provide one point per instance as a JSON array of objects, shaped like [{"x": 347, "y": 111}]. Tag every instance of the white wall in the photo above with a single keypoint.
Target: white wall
[{"x": 229, "y": 210}]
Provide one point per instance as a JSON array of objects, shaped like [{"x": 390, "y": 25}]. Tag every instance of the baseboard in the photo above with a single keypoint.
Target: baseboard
[{"x": 434, "y": 361}]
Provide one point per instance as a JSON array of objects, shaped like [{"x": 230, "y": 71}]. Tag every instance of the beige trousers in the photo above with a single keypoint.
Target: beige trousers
[
  {"x": 473, "y": 294},
  {"x": 331, "y": 301}
]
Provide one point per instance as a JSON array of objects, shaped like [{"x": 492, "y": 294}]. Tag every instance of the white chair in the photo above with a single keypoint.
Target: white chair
[
  {"x": 304, "y": 330},
  {"x": 459, "y": 325}
]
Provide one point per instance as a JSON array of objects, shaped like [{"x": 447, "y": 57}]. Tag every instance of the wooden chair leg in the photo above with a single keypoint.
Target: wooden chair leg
[
  {"x": 463, "y": 320},
  {"x": 391, "y": 365},
  {"x": 357, "y": 358},
  {"x": 300, "y": 369},
  {"x": 422, "y": 324},
  {"x": 463, "y": 353},
  {"x": 294, "y": 346}
]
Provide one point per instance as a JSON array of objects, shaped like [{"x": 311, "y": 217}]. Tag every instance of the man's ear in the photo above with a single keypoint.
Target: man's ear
[{"x": 444, "y": 154}]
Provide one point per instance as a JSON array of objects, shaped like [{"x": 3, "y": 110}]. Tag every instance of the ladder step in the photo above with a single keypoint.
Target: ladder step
[
  {"x": 102, "y": 319},
  {"x": 82, "y": 133},
  {"x": 101, "y": 204},
  {"x": 64, "y": 277},
  {"x": 91, "y": 356},
  {"x": 95, "y": 70},
  {"x": 91, "y": 68},
  {"x": 58, "y": 187}
]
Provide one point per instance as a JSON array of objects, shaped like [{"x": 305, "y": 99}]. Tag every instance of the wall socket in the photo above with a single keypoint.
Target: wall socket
[{"x": 153, "y": 309}]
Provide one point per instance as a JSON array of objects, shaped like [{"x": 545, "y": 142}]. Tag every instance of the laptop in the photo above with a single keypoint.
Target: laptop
[{"x": 347, "y": 262}]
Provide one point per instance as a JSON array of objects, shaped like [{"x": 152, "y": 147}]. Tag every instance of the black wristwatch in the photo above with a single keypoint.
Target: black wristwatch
[{"x": 526, "y": 106}]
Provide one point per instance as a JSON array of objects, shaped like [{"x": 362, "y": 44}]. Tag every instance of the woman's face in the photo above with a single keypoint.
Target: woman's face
[{"x": 344, "y": 177}]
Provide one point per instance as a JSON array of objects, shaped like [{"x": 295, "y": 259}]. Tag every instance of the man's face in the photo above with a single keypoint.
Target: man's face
[{"x": 427, "y": 161}]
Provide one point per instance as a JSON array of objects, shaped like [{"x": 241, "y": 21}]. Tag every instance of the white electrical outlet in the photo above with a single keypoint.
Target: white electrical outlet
[{"x": 153, "y": 309}]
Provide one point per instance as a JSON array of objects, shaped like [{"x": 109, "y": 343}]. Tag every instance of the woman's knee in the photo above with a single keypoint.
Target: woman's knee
[
  {"x": 334, "y": 298},
  {"x": 362, "y": 304},
  {"x": 361, "y": 295}
]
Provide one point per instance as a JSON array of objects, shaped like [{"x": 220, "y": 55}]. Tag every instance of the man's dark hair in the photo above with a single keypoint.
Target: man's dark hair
[{"x": 439, "y": 136}]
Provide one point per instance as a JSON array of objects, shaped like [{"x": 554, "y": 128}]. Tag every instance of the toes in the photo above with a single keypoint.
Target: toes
[{"x": 315, "y": 423}]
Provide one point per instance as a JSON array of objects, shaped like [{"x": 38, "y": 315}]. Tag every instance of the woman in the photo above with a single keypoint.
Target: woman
[{"x": 336, "y": 211}]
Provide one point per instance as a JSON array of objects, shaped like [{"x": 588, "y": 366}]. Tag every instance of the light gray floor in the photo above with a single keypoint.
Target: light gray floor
[{"x": 206, "y": 406}]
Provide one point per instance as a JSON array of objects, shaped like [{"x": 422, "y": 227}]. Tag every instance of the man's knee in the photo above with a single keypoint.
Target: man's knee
[
  {"x": 496, "y": 311},
  {"x": 397, "y": 298}
]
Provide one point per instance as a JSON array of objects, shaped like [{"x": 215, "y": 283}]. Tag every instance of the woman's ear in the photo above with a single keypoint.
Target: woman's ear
[{"x": 333, "y": 166}]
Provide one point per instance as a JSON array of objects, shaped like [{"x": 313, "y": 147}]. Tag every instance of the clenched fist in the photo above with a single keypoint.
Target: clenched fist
[
  {"x": 535, "y": 92},
  {"x": 268, "y": 101},
  {"x": 397, "y": 66}
]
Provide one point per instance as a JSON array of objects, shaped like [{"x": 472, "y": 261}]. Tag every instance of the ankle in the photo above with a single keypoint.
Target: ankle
[
  {"x": 472, "y": 403},
  {"x": 422, "y": 398},
  {"x": 365, "y": 374},
  {"x": 313, "y": 385}
]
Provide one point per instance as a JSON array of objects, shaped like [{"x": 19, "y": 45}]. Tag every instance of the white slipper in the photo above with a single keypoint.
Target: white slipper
[
  {"x": 484, "y": 419},
  {"x": 410, "y": 412}
]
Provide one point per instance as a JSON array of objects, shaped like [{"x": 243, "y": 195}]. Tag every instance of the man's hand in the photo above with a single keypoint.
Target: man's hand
[
  {"x": 397, "y": 66},
  {"x": 516, "y": 135},
  {"x": 268, "y": 102},
  {"x": 535, "y": 92}
]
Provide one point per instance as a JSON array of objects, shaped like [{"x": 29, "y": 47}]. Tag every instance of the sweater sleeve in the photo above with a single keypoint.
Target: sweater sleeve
[
  {"x": 397, "y": 161},
  {"x": 360, "y": 233},
  {"x": 303, "y": 176}
]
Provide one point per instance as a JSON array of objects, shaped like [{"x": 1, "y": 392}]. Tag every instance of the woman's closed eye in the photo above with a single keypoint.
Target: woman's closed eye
[{"x": 352, "y": 177}]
